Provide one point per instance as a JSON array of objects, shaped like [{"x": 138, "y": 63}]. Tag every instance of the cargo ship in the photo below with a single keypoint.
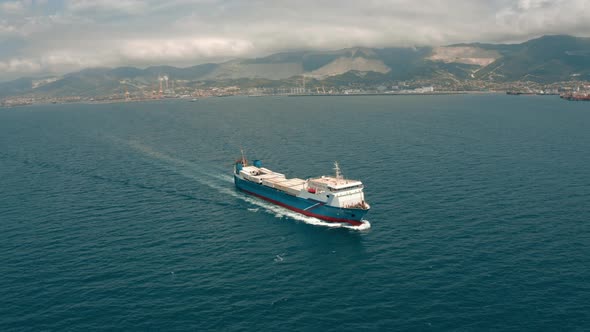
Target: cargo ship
[
  {"x": 576, "y": 96},
  {"x": 329, "y": 198}
]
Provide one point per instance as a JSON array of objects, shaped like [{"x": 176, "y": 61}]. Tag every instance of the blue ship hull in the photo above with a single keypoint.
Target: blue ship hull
[{"x": 301, "y": 205}]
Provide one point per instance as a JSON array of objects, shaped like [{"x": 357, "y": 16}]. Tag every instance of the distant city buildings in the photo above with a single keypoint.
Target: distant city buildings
[{"x": 165, "y": 87}]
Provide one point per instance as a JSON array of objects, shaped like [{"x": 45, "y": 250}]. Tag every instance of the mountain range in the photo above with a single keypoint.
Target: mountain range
[{"x": 547, "y": 59}]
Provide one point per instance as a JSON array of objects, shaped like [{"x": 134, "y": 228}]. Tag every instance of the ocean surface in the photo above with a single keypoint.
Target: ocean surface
[{"x": 125, "y": 217}]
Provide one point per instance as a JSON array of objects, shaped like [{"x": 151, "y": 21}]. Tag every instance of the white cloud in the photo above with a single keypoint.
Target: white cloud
[
  {"x": 533, "y": 4},
  {"x": 536, "y": 17},
  {"x": 77, "y": 33},
  {"x": 59, "y": 59},
  {"x": 13, "y": 7},
  {"x": 20, "y": 65},
  {"x": 182, "y": 49},
  {"x": 94, "y": 6},
  {"x": 7, "y": 29}
]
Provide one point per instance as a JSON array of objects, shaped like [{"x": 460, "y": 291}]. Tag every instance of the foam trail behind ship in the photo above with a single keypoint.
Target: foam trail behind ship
[{"x": 173, "y": 164}]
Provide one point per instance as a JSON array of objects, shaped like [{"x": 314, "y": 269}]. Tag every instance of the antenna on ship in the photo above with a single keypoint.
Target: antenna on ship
[{"x": 337, "y": 169}]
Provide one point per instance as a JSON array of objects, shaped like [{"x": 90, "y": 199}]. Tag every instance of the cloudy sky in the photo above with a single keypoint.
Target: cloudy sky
[{"x": 39, "y": 37}]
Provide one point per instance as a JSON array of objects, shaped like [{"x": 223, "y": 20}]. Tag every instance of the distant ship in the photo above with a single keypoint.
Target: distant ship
[
  {"x": 330, "y": 198},
  {"x": 576, "y": 96}
]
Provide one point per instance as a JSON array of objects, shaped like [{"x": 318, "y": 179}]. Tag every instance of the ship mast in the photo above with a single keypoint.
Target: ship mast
[
  {"x": 243, "y": 158},
  {"x": 337, "y": 169}
]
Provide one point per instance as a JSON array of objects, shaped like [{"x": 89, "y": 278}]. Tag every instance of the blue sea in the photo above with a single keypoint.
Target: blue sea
[{"x": 124, "y": 216}]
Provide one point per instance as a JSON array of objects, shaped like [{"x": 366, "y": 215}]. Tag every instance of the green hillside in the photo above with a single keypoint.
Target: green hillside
[{"x": 546, "y": 59}]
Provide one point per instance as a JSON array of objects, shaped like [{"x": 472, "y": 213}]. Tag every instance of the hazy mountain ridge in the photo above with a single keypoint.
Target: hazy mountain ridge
[{"x": 546, "y": 59}]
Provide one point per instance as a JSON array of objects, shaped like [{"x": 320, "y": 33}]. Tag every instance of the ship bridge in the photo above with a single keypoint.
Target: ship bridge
[{"x": 335, "y": 184}]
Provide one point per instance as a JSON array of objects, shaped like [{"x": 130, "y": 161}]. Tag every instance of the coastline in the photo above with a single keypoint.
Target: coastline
[{"x": 366, "y": 94}]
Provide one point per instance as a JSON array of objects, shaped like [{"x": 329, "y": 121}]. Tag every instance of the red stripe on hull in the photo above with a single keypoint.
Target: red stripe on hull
[{"x": 307, "y": 213}]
